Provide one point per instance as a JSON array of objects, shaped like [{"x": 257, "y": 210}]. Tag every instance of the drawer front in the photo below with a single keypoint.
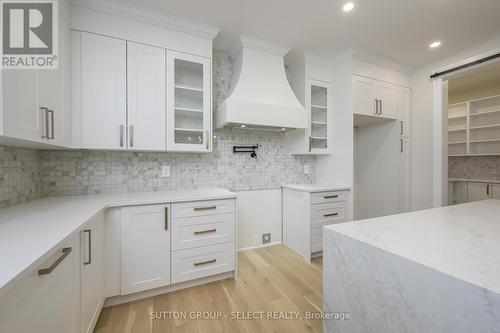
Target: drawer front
[
  {"x": 329, "y": 213},
  {"x": 202, "y": 208},
  {"x": 316, "y": 240},
  {"x": 332, "y": 196},
  {"x": 203, "y": 261},
  {"x": 199, "y": 231}
]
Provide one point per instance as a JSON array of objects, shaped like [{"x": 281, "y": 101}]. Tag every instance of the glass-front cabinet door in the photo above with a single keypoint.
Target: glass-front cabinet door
[
  {"x": 188, "y": 103},
  {"x": 318, "y": 102}
]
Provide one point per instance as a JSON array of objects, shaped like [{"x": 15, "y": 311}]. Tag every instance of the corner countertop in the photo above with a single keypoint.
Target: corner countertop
[
  {"x": 462, "y": 241},
  {"x": 470, "y": 180},
  {"x": 31, "y": 230},
  {"x": 315, "y": 187}
]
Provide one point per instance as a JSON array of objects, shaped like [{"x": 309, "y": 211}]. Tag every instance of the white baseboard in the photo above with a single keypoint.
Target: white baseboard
[
  {"x": 259, "y": 246},
  {"x": 115, "y": 300}
]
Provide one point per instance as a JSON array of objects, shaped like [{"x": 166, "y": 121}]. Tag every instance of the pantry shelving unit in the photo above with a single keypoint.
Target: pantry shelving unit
[{"x": 474, "y": 127}]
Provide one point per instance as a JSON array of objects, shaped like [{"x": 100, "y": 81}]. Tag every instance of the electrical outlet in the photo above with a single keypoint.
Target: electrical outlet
[
  {"x": 165, "y": 171},
  {"x": 266, "y": 238},
  {"x": 306, "y": 169},
  {"x": 256, "y": 240}
]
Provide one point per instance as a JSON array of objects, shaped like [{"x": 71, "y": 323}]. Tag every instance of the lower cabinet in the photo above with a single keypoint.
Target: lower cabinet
[
  {"x": 46, "y": 301},
  {"x": 305, "y": 214},
  {"x": 462, "y": 192},
  {"x": 91, "y": 273},
  {"x": 145, "y": 250}
]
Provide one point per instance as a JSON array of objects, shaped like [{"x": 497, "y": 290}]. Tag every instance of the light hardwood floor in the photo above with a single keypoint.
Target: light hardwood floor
[{"x": 271, "y": 279}]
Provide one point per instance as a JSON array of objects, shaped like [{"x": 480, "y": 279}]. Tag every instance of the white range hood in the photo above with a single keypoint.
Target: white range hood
[{"x": 260, "y": 96}]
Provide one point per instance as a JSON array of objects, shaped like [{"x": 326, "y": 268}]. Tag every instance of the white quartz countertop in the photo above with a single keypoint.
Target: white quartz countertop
[
  {"x": 470, "y": 180},
  {"x": 29, "y": 231},
  {"x": 462, "y": 241},
  {"x": 315, "y": 187}
]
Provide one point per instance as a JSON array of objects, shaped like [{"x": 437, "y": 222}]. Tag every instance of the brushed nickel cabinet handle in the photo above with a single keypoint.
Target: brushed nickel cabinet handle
[
  {"x": 488, "y": 189},
  {"x": 89, "y": 232},
  {"x": 380, "y": 109},
  {"x": 330, "y": 196},
  {"x": 331, "y": 214},
  {"x": 310, "y": 143},
  {"x": 131, "y": 134},
  {"x": 201, "y": 232},
  {"x": 66, "y": 251},
  {"x": 197, "y": 209},
  {"x": 51, "y": 112},
  {"x": 166, "y": 218},
  {"x": 211, "y": 261},
  {"x": 207, "y": 138},
  {"x": 121, "y": 135},
  {"x": 401, "y": 127},
  {"x": 45, "y": 114},
  {"x": 375, "y": 106},
  {"x": 401, "y": 146}
]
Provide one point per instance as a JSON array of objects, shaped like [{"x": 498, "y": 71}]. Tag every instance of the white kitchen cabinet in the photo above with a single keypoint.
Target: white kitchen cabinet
[
  {"x": 375, "y": 98},
  {"x": 45, "y": 301},
  {"x": 478, "y": 191},
  {"x": 146, "y": 97},
  {"x": 36, "y": 104},
  {"x": 102, "y": 80},
  {"x": 306, "y": 210},
  {"x": 495, "y": 191},
  {"x": 145, "y": 248},
  {"x": 189, "y": 110},
  {"x": 91, "y": 273}
]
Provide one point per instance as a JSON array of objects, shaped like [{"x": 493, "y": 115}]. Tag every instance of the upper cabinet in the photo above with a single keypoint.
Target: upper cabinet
[
  {"x": 36, "y": 103},
  {"x": 146, "y": 97},
  {"x": 140, "y": 97},
  {"x": 189, "y": 112},
  {"x": 101, "y": 77},
  {"x": 375, "y": 98},
  {"x": 311, "y": 83}
]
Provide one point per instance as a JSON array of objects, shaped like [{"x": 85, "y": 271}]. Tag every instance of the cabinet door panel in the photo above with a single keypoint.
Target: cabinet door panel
[
  {"x": 146, "y": 97},
  {"x": 103, "y": 92},
  {"x": 145, "y": 248},
  {"x": 44, "y": 303},
  {"x": 478, "y": 191},
  {"x": 365, "y": 95},
  {"x": 318, "y": 97},
  {"x": 21, "y": 114},
  {"x": 404, "y": 175},
  {"x": 189, "y": 111},
  {"x": 91, "y": 273},
  {"x": 387, "y": 94},
  {"x": 495, "y": 191}
]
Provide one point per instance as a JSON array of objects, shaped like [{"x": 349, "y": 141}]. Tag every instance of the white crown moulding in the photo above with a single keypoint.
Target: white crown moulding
[
  {"x": 149, "y": 16},
  {"x": 245, "y": 41}
]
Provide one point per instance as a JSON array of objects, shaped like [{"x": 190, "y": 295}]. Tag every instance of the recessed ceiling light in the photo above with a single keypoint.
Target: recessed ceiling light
[
  {"x": 243, "y": 126},
  {"x": 435, "y": 44},
  {"x": 348, "y": 7}
]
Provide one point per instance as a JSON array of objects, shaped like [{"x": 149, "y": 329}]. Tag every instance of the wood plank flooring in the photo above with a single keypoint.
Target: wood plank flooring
[{"x": 272, "y": 279}]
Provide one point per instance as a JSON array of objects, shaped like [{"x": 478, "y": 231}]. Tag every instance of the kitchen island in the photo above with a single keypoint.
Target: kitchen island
[{"x": 435, "y": 270}]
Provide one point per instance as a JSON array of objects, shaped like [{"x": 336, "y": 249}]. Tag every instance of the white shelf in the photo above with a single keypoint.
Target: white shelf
[
  {"x": 190, "y": 88},
  {"x": 485, "y": 140},
  {"x": 457, "y": 117},
  {"x": 319, "y": 107},
  {"x": 484, "y": 112},
  {"x": 465, "y": 155},
  {"x": 318, "y": 138},
  {"x": 457, "y": 143},
  {"x": 318, "y": 122},
  {"x": 188, "y": 129},
  {"x": 484, "y": 127},
  {"x": 457, "y": 129},
  {"x": 189, "y": 109}
]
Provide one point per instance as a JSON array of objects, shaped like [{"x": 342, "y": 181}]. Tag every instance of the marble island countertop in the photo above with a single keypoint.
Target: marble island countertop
[
  {"x": 316, "y": 187},
  {"x": 435, "y": 270},
  {"x": 28, "y": 231}
]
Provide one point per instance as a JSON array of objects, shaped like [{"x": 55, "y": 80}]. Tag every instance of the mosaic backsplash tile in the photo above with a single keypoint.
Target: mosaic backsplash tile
[
  {"x": 474, "y": 167},
  {"x": 19, "y": 175}
]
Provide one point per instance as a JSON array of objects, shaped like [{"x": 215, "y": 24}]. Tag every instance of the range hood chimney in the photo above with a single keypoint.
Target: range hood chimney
[{"x": 260, "y": 96}]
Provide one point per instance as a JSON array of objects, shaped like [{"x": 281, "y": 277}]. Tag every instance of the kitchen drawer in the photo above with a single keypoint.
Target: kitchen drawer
[
  {"x": 331, "y": 196},
  {"x": 328, "y": 213},
  {"x": 202, "y": 208},
  {"x": 317, "y": 239},
  {"x": 202, "y": 261},
  {"x": 199, "y": 231}
]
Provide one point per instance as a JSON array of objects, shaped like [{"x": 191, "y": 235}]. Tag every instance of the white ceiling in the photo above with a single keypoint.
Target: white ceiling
[{"x": 396, "y": 30}]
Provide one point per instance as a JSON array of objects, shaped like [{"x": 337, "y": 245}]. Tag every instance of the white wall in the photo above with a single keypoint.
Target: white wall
[
  {"x": 258, "y": 212},
  {"x": 422, "y": 122}
]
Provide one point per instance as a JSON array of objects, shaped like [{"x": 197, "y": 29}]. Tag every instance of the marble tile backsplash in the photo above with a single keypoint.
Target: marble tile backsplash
[
  {"x": 474, "y": 167},
  {"x": 19, "y": 175}
]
